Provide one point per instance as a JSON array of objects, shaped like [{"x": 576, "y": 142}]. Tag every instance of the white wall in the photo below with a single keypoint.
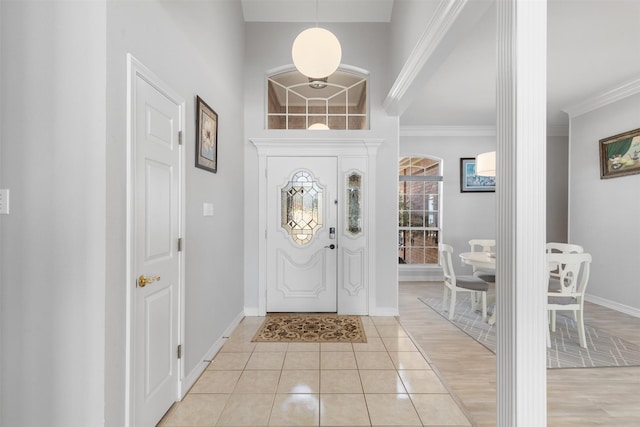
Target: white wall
[
  {"x": 197, "y": 49},
  {"x": 268, "y": 46},
  {"x": 472, "y": 215},
  {"x": 603, "y": 213},
  {"x": 52, "y": 269}
]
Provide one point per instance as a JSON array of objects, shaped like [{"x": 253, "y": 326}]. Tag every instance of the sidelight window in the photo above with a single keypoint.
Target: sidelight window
[{"x": 354, "y": 203}]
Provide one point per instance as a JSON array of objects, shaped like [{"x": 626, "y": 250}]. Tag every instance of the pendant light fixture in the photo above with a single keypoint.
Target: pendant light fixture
[
  {"x": 486, "y": 164},
  {"x": 316, "y": 52},
  {"x": 318, "y": 126}
]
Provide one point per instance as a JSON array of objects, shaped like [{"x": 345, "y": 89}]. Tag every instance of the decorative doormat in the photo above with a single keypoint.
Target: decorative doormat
[
  {"x": 602, "y": 350},
  {"x": 311, "y": 327}
]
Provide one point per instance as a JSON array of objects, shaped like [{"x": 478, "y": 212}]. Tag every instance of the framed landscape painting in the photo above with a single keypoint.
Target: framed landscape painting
[
  {"x": 472, "y": 183},
  {"x": 620, "y": 155},
  {"x": 206, "y": 137}
]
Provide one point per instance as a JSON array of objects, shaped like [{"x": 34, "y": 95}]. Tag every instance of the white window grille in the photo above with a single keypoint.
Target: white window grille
[
  {"x": 419, "y": 192},
  {"x": 338, "y": 102}
]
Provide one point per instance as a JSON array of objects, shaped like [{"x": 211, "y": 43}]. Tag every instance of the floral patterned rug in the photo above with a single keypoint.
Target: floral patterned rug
[{"x": 311, "y": 327}]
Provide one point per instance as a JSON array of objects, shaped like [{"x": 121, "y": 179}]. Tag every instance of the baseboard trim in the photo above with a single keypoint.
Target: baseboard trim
[
  {"x": 631, "y": 311},
  {"x": 385, "y": 311},
  {"x": 251, "y": 311},
  {"x": 420, "y": 276},
  {"x": 195, "y": 373},
  {"x": 419, "y": 273}
]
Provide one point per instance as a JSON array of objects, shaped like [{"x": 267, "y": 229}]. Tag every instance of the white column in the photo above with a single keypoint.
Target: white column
[{"x": 521, "y": 222}]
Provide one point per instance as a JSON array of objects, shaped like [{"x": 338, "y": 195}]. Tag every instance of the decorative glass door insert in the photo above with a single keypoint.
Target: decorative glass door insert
[
  {"x": 301, "y": 207},
  {"x": 354, "y": 205}
]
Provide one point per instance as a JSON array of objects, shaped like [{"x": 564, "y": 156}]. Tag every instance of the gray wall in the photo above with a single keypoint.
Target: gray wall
[
  {"x": 408, "y": 22},
  {"x": 52, "y": 270},
  {"x": 62, "y": 155},
  {"x": 472, "y": 215},
  {"x": 364, "y": 46},
  {"x": 603, "y": 213},
  {"x": 197, "y": 49},
  {"x": 557, "y": 188}
]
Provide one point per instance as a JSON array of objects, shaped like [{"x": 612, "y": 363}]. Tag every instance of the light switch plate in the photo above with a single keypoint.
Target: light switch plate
[
  {"x": 207, "y": 209},
  {"x": 4, "y": 201}
]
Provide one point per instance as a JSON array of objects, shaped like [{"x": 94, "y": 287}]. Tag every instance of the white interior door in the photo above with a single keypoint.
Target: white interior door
[
  {"x": 301, "y": 234},
  {"x": 156, "y": 226}
]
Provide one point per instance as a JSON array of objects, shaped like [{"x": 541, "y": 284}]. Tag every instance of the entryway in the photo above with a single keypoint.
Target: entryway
[{"x": 316, "y": 215}]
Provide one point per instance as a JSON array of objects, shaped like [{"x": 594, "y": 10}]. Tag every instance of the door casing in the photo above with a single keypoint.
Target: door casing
[{"x": 349, "y": 152}]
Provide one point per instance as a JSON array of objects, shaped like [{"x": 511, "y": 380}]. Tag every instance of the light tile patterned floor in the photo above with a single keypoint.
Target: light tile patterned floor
[{"x": 385, "y": 382}]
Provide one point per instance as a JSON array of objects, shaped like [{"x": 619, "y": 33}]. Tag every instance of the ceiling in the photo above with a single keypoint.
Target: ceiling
[
  {"x": 593, "y": 46},
  {"x": 327, "y": 10}
]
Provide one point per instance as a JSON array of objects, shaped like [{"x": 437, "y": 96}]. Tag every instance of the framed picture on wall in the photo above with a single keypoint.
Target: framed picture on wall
[
  {"x": 620, "y": 155},
  {"x": 472, "y": 183},
  {"x": 206, "y": 137}
]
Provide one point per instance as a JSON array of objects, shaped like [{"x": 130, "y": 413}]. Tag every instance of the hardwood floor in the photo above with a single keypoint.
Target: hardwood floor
[{"x": 576, "y": 397}]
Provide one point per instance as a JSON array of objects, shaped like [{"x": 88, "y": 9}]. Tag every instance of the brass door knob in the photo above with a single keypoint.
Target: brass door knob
[{"x": 144, "y": 280}]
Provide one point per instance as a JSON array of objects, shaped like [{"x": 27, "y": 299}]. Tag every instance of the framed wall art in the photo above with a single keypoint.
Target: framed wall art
[
  {"x": 472, "y": 183},
  {"x": 620, "y": 155},
  {"x": 206, "y": 137}
]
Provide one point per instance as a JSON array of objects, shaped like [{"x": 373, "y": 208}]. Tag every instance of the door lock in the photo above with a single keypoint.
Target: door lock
[
  {"x": 332, "y": 232},
  {"x": 331, "y": 246},
  {"x": 144, "y": 280}
]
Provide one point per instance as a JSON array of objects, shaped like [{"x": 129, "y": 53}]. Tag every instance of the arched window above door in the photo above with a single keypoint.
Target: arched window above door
[{"x": 338, "y": 102}]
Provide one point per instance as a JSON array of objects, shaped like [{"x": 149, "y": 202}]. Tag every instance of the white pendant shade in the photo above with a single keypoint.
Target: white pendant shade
[
  {"x": 316, "y": 53},
  {"x": 486, "y": 164},
  {"x": 318, "y": 126}
]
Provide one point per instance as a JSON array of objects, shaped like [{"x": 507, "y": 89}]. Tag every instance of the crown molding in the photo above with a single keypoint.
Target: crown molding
[
  {"x": 444, "y": 17},
  {"x": 602, "y": 99},
  {"x": 552, "y": 130},
  {"x": 447, "y": 131}
]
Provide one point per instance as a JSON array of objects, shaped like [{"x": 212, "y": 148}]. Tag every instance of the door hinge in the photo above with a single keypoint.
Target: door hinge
[
  {"x": 180, "y": 244},
  {"x": 180, "y": 351},
  {"x": 179, "y": 137}
]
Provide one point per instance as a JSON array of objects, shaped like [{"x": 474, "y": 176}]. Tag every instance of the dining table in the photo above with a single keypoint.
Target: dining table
[{"x": 485, "y": 261}]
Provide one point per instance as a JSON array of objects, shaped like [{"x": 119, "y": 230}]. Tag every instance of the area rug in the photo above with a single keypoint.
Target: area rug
[
  {"x": 311, "y": 327},
  {"x": 602, "y": 349}
]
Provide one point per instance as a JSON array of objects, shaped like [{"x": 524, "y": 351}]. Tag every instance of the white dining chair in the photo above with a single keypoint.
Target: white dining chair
[
  {"x": 562, "y": 248},
  {"x": 454, "y": 284},
  {"x": 573, "y": 273},
  {"x": 554, "y": 277},
  {"x": 483, "y": 245}
]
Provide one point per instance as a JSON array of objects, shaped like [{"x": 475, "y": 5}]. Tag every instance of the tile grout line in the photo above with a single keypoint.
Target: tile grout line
[
  {"x": 435, "y": 369},
  {"x": 359, "y": 369}
]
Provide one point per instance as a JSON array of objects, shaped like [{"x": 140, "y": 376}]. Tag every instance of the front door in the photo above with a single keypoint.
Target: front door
[
  {"x": 156, "y": 172},
  {"x": 301, "y": 234}
]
